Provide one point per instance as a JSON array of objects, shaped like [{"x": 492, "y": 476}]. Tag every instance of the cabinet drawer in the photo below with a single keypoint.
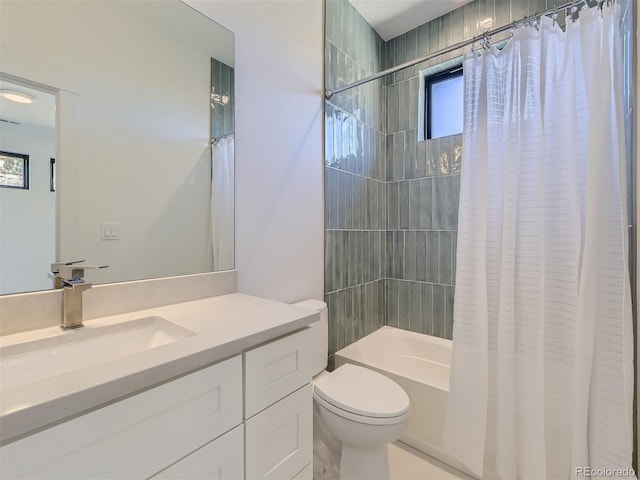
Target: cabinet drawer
[
  {"x": 135, "y": 437},
  {"x": 221, "y": 459},
  {"x": 276, "y": 369},
  {"x": 279, "y": 441}
]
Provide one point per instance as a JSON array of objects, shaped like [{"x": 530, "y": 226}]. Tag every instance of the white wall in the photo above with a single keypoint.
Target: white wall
[
  {"x": 143, "y": 135},
  {"x": 279, "y": 166},
  {"x": 28, "y": 217}
]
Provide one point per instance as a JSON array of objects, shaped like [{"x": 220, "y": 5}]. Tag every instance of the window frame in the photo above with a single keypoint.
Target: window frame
[
  {"x": 429, "y": 80},
  {"x": 25, "y": 162}
]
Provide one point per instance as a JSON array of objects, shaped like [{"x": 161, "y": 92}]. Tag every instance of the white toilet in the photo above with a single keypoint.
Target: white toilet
[{"x": 356, "y": 413}]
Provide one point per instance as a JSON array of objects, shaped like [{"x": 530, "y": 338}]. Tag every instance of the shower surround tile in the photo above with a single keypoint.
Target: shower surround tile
[
  {"x": 391, "y": 200},
  {"x": 355, "y": 179},
  {"x": 446, "y": 201},
  {"x": 425, "y": 214},
  {"x": 381, "y": 208}
]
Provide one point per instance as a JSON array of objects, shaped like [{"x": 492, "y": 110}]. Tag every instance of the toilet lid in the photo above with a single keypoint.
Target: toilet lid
[{"x": 363, "y": 392}]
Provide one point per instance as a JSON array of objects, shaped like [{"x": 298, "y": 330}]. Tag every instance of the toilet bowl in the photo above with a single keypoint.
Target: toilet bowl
[{"x": 357, "y": 413}]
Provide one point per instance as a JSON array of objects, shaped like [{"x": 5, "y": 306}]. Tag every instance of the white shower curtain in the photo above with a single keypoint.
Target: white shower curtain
[
  {"x": 222, "y": 208},
  {"x": 542, "y": 381}
]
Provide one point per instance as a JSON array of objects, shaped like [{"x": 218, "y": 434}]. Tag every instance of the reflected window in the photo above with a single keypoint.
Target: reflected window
[
  {"x": 444, "y": 103},
  {"x": 14, "y": 170}
]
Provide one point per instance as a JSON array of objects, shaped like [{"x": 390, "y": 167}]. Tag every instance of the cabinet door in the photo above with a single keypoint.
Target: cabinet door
[
  {"x": 221, "y": 459},
  {"x": 135, "y": 437},
  {"x": 279, "y": 440},
  {"x": 306, "y": 473},
  {"x": 276, "y": 369}
]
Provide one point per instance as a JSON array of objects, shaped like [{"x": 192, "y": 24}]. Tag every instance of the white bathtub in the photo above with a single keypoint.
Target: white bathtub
[{"x": 420, "y": 364}]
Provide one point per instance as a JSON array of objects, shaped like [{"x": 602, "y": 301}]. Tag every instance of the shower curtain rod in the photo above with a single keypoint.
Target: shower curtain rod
[{"x": 329, "y": 93}]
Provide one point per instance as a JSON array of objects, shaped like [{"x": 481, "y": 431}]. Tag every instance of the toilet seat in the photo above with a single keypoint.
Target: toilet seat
[{"x": 362, "y": 395}]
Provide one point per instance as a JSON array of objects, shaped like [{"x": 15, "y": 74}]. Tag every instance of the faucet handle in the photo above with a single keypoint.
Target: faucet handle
[
  {"x": 54, "y": 274},
  {"x": 55, "y": 267},
  {"x": 74, "y": 273}
]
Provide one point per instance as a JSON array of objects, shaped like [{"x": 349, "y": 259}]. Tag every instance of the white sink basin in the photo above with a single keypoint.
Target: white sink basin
[{"x": 36, "y": 360}]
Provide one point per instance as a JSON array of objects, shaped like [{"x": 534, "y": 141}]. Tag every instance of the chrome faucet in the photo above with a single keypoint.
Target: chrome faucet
[
  {"x": 70, "y": 277},
  {"x": 55, "y": 272}
]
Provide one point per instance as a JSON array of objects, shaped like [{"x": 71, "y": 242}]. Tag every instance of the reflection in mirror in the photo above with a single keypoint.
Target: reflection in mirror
[
  {"x": 222, "y": 144},
  {"x": 140, "y": 117},
  {"x": 27, "y": 204}
]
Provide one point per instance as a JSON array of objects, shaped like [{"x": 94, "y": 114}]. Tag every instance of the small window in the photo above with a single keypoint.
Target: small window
[
  {"x": 14, "y": 170},
  {"x": 444, "y": 94}
]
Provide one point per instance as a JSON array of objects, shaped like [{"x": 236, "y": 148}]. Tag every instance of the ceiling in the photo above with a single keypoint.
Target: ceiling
[
  {"x": 42, "y": 112},
  {"x": 391, "y": 18}
]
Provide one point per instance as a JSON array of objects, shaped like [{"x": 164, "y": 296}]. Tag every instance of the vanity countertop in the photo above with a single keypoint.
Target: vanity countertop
[{"x": 224, "y": 326}]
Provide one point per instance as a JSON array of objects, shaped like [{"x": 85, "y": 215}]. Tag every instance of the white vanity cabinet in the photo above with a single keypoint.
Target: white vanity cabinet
[
  {"x": 135, "y": 437},
  {"x": 198, "y": 426},
  {"x": 279, "y": 408},
  {"x": 221, "y": 459}
]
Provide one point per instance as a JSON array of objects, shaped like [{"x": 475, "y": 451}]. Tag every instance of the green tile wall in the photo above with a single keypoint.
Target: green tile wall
[
  {"x": 355, "y": 186},
  {"x": 391, "y": 200}
]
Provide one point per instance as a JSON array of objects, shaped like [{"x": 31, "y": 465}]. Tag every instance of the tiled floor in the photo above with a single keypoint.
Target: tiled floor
[{"x": 406, "y": 463}]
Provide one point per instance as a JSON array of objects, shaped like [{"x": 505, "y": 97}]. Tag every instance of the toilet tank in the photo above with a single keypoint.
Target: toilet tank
[{"x": 319, "y": 334}]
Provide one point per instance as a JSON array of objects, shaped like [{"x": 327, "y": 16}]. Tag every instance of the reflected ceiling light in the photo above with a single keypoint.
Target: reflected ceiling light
[
  {"x": 221, "y": 99},
  {"x": 485, "y": 24},
  {"x": 16, "y": 96}
]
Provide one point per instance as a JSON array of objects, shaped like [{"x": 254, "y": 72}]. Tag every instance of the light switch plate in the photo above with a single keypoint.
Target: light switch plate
[{"x": 110, "y": 231}]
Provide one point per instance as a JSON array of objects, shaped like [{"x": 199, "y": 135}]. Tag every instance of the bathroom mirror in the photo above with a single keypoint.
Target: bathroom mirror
[{"x": 138, "y": 174}]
